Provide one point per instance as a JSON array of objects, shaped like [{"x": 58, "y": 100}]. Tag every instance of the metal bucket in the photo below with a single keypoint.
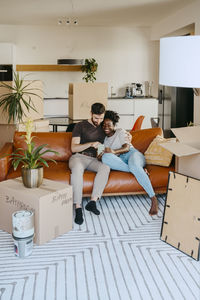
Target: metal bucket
[
  {"x": 23, "y": 232},
  {"x": 23, "y": 246},
  {"x": 32, "y": 178}
]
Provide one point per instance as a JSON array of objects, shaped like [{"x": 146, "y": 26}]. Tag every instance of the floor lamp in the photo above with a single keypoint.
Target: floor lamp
[{"x": 180, "y": 62}]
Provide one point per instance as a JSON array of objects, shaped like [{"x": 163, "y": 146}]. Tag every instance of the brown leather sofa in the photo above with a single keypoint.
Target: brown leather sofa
[{"x": 119, "y": 183}]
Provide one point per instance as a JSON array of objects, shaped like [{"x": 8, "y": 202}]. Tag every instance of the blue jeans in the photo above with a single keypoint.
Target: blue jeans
[{"x": 133, "y": 162}]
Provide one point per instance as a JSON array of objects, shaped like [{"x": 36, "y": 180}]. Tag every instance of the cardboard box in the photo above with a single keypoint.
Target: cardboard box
[
  {"x": 7, "y": 130},
  {"x": 51, "y": 203},
  {"x": 37, "y": 88},
  {"x": 181, "y": 222},
  {"x": 82, "y": 95},
  {"x": 6, "y": 134},
  {"x": 187, "y": 150},
  {"x": 41, "y": 125}
]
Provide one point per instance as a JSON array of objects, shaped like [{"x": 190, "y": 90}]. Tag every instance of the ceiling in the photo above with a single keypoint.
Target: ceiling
[{"x": 88, "y": 12}]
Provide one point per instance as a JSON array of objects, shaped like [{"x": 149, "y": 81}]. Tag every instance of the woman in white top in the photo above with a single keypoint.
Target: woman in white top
[{"x": 122, "y": 156}]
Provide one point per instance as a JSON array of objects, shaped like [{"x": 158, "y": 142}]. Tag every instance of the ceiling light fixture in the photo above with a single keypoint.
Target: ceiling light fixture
[{"x": 68, "y": 20}]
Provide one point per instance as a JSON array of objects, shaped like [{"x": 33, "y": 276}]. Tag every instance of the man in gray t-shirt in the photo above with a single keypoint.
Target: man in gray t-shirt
[{"x": 86, "y": 137}]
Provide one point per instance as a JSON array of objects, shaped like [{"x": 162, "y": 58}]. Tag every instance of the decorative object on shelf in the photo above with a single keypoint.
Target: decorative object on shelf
[
  {"x": 148, "y": 88},
  {"x": 70, "y": 61},
  {"x": 31, "y": 158},
  {"x": 16, "y": 98},
  {"x": 90, "y": 68},
  {"x": 128, "y": 92}
]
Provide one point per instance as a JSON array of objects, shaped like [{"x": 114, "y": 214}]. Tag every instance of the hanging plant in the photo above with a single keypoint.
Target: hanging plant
[{"x": 90, "y": 68}]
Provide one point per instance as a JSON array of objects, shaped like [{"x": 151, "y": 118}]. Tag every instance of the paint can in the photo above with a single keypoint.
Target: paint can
[
  {"x": 23, "y": 232},
  {"x": 23, "y": 247}
]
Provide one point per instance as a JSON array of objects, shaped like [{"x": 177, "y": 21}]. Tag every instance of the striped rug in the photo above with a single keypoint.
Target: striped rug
[{"x": 115, "y": 256}]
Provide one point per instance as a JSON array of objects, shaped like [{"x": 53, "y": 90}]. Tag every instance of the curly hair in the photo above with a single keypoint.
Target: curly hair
[{"x": 112, "y": 115}]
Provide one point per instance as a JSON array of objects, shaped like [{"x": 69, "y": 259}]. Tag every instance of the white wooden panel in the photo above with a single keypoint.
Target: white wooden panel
[
  {"x": 7, "y": 54},
  {"x": 121, "y": 106},
  {"x": 126, "y": 122},
  {"x": 147, "y": 108},
  {"x": 55, "y": 107}
]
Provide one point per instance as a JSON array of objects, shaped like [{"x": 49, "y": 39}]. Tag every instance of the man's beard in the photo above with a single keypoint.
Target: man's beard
[{"x": 94, "y": 122}]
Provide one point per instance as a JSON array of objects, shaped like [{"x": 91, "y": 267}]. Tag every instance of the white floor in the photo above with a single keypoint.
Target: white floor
[{"x": 116, "y": 256}]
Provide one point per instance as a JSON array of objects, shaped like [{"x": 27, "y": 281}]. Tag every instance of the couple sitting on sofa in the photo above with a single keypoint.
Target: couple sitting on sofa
[{"x": 118, "y": 154}]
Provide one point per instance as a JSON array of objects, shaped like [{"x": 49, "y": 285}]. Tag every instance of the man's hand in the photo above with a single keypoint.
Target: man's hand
[
  {"x": 95, "y": 144},
  {"x": 77, "y": 147}
]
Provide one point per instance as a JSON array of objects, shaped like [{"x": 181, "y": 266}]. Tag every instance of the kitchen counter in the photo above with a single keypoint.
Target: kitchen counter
[
  {"x": 128, "y": 109},
  {"x": 109, "y": 98}
]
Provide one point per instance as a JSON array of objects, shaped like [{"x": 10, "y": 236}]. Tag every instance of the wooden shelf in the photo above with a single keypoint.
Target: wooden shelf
[{"x": 49, "y": 68}]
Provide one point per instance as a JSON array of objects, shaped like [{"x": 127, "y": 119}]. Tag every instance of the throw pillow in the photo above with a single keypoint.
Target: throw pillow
[{"x": 157, "y": 155}]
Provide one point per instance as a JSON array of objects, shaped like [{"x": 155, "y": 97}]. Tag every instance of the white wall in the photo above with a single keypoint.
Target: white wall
[
  {"x": 184, "y": 17},
  {"x": 124, "y": 55},
  {"x": 175, "y": 22}
]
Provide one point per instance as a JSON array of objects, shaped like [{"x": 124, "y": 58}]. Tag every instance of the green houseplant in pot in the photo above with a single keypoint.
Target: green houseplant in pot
[
  {"x": 17, "y": 98},
  {"x": 31, "y": 159},
  {"x": 90, "y": 68}
]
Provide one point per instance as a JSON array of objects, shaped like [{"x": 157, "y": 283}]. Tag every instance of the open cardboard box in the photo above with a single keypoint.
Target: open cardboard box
[
  {"x": 181, "y": 222},
  {"x": 186, "y": 150}
]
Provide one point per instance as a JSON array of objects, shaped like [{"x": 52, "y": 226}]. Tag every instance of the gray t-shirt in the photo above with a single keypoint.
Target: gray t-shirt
[
  {"x": 88, "y": 133},
  {"x": 116, "y": 141}
]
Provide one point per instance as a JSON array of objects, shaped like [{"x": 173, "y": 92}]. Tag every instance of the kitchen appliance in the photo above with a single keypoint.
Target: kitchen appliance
[
  {"x": 6, "y": 72},
  {"x": 175, "y": 108},
  {"x": 139, "y": 89},
  {"x": 70, "y": 61},
  {"x": 133, "y": 89}
]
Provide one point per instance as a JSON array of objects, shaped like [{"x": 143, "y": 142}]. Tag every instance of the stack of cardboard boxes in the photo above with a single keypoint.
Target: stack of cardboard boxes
[{"x": 7, "y": 130}]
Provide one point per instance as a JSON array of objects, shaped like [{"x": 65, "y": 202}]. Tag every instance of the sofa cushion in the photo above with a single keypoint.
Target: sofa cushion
[
  {"x": 141, "y": 139},
  {"x": 156, "y": 154}
]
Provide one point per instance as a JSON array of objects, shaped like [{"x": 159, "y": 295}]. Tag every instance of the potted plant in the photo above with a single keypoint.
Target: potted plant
[
  {"x": 31, "y": 159},
  {"x": 90, "y": 68},
  {"x": 17, "y": 97}
]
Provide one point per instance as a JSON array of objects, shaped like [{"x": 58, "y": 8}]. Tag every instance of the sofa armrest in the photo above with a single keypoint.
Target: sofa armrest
[{"x": 5, "y": 162}]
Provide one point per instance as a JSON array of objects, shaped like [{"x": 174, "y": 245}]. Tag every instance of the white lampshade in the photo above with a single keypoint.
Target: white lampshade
[{"x": 180, "y": 61}]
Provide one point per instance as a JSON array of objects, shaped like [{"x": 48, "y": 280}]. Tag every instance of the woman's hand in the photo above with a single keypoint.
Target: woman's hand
[
  {"x": 128, "y": 137},
  {"x": 109, "y": 150},
  {"x": 99, "y": 157}
]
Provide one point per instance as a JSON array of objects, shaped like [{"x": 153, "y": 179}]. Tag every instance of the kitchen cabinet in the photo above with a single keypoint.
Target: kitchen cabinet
[
  {"x": 130, "y": 109},
  {"x": 7, "y": 54},
  {"x": 147, "y": 107},
  {"x": 125, "y": 109},
  {"x": 55, "y": 107}
]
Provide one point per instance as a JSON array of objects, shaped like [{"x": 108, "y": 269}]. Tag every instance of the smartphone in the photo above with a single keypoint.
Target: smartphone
[{"x": 100, "y": 148}]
